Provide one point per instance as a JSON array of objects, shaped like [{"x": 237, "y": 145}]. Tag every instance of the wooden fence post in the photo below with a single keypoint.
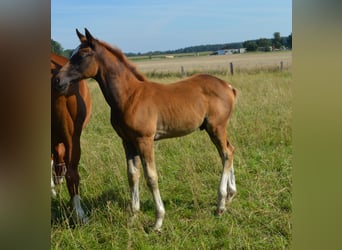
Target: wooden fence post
[
  {"x": 182, "y": 71},
  {"x": 231, "y": 68},
  {"x": 281, "y": 66}
]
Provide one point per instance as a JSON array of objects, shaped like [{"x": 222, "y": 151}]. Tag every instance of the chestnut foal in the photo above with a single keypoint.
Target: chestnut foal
[{"x": 143, "y": 111}]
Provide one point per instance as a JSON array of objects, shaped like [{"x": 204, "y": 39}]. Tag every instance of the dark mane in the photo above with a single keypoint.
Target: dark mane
[{"x": 118, "y": 53}]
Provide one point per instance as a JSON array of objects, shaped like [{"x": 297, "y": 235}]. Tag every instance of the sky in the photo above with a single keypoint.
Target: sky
[{"x": 152, "y": 25}]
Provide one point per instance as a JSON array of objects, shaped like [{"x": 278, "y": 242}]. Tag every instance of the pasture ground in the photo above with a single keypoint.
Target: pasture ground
[
  {"x": 219, "y": 63},
  {"x": 189, "y": 171}
]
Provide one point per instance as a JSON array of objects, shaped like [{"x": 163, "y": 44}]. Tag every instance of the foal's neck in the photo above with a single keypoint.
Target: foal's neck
[{"x": 117, "y": 82}]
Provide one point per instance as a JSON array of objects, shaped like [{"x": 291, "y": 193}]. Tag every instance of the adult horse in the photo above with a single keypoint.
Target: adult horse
[
  {"x": 143, "y": 111},
  {"x": 70, "y": 112}
]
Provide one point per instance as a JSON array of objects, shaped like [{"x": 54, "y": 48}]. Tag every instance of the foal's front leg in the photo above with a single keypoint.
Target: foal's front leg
[
  {"x": 146, "y": 151},
  {"x": 133, "y": 173}
]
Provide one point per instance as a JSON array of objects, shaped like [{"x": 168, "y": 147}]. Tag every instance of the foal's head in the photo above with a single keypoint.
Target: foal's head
[
  {"x": 83, "y": 62},
  {"x": 88, "y": 58}
]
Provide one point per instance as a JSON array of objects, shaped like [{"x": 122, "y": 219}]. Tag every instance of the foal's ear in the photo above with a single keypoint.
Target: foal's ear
[
  {"x": 81, "y": 36},
  {"x": 90, "y": 38}
]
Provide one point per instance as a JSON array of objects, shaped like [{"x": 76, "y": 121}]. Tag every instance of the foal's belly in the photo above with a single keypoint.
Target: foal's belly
[
  {"x": 179, "y": 122},
  {"x": 164, "y": 134},
  {"x": 173, "y": 129}
]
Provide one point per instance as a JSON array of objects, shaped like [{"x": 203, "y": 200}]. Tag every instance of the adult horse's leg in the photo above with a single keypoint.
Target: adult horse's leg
[
  {"x": 59, "y": 167},
  {"x": 227, "y": 187},
  {"x": 53, "y": 191},
  {"x": 73, "y": 179},
  {"x": 145, "y": 147},
  {"x": 133, "y": 173}
]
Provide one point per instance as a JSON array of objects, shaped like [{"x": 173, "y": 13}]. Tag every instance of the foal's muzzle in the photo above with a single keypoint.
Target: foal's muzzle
[{"x": 58, "y": 172}]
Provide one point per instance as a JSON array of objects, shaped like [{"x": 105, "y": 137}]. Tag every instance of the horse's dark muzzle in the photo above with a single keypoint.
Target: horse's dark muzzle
[{"x": 58, "y": 85}]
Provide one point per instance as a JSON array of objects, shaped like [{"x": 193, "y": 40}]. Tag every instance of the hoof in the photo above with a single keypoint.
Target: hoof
[
  {"x": 79, "y": 217},
  {"x": 158, "y": 225},
  {"x": 80, "y": 220},
  {"x": 131, "y": 219},
  {"x": 219, "y": 211},
  {"x": 157, "y": 230}
]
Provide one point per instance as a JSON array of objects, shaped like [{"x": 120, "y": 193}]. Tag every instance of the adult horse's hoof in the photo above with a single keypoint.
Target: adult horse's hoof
[{"x": 78, "y": 219}]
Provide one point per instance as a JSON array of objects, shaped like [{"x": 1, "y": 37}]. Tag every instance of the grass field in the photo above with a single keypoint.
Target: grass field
[
  {"x": 189, "y": 172},
  {"x": 242, "y": 63}
]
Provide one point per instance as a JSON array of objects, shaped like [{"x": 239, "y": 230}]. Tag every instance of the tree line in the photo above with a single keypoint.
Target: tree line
[
  {"x": 57, "y": 48},
  {"x": 261, "y": 44},
  {"x": 265, "y": 44}
]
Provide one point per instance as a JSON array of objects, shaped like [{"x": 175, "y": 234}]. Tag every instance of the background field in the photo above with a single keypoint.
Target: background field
[
  {"x": 189, "y": 171},
  {"x": 242, "y": 62}
]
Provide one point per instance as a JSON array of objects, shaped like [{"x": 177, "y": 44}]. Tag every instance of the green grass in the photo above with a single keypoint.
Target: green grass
[{"x": 189, "y": 172}]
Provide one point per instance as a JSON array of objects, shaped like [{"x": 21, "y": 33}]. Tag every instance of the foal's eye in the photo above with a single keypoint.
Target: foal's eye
[
  {"x": 76, "y": 58},
  {"x": 85, "y": 52}
]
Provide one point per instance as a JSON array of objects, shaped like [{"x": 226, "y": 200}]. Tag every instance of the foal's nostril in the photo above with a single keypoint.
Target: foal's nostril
[{"x": 57, "y": 80}]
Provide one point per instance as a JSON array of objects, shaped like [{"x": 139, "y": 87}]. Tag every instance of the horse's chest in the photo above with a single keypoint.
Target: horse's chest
[{"x": 119, "y": 125}]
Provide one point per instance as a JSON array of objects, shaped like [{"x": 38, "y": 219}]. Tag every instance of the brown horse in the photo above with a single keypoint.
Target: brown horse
[
  {"x": 143, "y": 111},
  {"x": 70, "y": 112}
]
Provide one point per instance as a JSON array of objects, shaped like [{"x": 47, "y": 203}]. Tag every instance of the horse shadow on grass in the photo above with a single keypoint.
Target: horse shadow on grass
[{"x": 61, "y": 208}]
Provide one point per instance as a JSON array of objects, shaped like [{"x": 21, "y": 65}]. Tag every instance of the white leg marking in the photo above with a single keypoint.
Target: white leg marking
[
  {"x": 160, "y": 210},
  {"x": 227, "y": 188},
  {"x": 231, "y": 185},
  {"x": 78, "y": 210},
  {"x": 53, "y": 191},
  {"x": 152, "y": 181},
  {"x": 134, "y": 174},
  {"x": 222, "y": 192}
]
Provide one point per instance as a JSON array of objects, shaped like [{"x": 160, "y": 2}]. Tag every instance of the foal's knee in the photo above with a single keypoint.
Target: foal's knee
[{"x": 152, "y": 181}]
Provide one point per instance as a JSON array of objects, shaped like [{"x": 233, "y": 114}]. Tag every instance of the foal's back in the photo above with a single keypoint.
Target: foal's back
[{"x": 201, "y": 91}]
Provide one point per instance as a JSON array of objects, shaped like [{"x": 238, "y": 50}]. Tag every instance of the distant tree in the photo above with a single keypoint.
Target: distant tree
[
  {"x": 232, "y": 46},
  {"x": 264, "y": 42},
  {"x": 289, "y": 41},
  {"x": 277, "y": 41},
  {"x": 250, "y": 45},
  {"x": 67, "y": 53},
  {"x": 56, "y": 47}
]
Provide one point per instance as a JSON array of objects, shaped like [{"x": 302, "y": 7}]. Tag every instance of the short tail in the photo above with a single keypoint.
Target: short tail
[{"x": 234, "y": 91}]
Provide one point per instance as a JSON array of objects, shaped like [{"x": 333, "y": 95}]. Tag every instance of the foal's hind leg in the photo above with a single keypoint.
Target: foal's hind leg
[
  {"x": 231, "y": 185},
  {"x": 227, "y": 187}
]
